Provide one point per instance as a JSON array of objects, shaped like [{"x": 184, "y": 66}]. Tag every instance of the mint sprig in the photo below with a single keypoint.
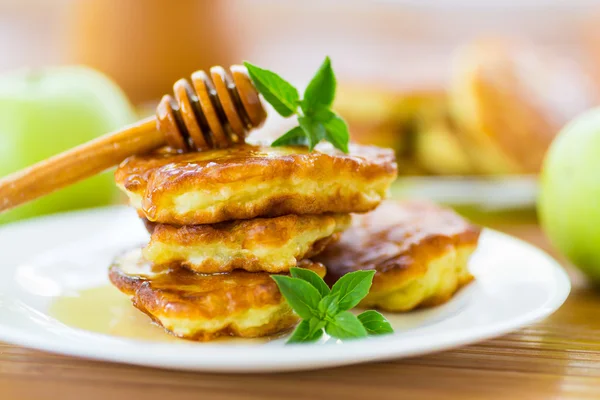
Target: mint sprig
[
  {"x": 327, "y": 309},
  {"x": 316, "y": 120}
]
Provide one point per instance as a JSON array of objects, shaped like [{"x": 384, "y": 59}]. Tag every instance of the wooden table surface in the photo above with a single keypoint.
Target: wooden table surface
[{"x": 556, "y": 358}]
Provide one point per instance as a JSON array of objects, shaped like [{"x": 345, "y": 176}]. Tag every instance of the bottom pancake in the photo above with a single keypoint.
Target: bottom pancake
[
  {"x": 418, "y": 250},
  {"x": 202, "y": 307}
]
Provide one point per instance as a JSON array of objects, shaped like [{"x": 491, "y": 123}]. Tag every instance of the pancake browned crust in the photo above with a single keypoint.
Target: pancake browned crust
[
  {"x": 261, "y": 244},
  {"x": 247, "y": 181},
  {"x": 419, "y": 250},
  {"x": 203, "y": 307}
]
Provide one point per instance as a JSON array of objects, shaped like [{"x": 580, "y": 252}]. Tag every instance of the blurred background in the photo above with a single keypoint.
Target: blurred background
[{"x": 469, "y": 93}]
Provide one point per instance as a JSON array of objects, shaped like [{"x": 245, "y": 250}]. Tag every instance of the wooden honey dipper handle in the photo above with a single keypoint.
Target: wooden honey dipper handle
[
  {"x": 203, "y": 115},
  {"x": 78, "y": 163}
]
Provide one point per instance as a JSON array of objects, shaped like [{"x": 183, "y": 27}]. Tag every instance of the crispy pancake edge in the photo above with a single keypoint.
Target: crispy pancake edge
[{"x": 262, "y": 244}]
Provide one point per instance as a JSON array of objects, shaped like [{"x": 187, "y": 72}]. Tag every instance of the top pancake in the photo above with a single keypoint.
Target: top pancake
[{"x": 248, "y": 181}]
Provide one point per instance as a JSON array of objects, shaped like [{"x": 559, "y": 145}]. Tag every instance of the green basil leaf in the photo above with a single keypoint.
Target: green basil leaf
[
  {"x": 345, "y": 325},
  {"x": 316, "y": 324},
  {"x": 352, "y": 288},
  {"x": 303, "y": 334},
  {"x": 313, "y": 129},
  {"x": 294, "y": 137},
  {"x": 311, "y": 277},
  {"x": 328, "y": 306},
  {"x": 323, "y": 115},
  {"x": 300, "y": 295},
  {"x": 336, "y": 129},
  {"x": 375, "y": 323},
  {"x": 276, "y": 91},
  {"x": 337, "y": 133},
  {"x": 320, "y": 92}
]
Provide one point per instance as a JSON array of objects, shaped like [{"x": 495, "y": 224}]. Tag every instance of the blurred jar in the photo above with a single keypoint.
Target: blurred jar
[{"x": 146, "y": 45}]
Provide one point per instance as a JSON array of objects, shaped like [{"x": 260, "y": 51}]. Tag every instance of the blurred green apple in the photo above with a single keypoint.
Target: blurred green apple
[
  {"x": 569, "y": 201},
  {"x": 46, "y": 111}
]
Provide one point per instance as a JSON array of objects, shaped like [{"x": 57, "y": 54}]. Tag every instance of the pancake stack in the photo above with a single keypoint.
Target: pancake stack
[{"x": 222, "y": 221}]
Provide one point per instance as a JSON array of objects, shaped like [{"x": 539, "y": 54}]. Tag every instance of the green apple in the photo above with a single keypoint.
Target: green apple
[
  {"x": 43, "y": 112},
  {"x": 569, "y": 201}
]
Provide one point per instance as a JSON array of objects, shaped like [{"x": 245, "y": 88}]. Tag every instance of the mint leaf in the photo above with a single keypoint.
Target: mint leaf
[
  {"x": 300, "y": 295},
  {"x": 336, "y": 132},
  {"x": 316, "y": 324},
  {"x": 375, "y": 323},
  {"x": 345, "y": 325},
  {"x": 320, "y": 92},
  {"x": 311, "y": 277},
  {"x": 328, "y": 306},
  {"x": 314, "y": 130},
  {"x": 303, "y": 334},
  {"x": 322, "y": 115},
  {"x": 278, "y": 92},
  {"x": 336, "y": 129},
  {"x": 293, "y": 137},
  {"x": 352, "y": 287}
]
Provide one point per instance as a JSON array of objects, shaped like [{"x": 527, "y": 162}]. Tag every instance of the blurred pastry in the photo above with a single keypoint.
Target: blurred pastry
[
  {"x": 436, "y": 146},
  {"x": 509, "y": 101},
  {"x": 439, "y": 151},
  {"x": 388, "y": 118},
  {"x": 372, "y": 116},
  {"x": 203, "y": 307},
  {"x": 418, "y": 250},
  {"x": 247, "y": 181},
  {"x": 415, "y": 123},
  {"x": 260, "y": 244}
]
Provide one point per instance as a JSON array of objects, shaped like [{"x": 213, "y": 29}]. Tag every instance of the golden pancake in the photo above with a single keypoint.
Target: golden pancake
[
  {"x": 419, "y": 250},
  {"x": 203, "y": 307},
  {"x": 261, "y": 244},
  {"x": 247, "y": 181}
]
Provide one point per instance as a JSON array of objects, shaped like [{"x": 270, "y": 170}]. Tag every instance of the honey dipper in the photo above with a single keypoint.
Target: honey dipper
[{"x": 203, "y": 114}]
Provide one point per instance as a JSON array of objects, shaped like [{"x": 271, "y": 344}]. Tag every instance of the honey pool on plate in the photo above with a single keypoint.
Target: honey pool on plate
[{"x": 107, "y": 311}]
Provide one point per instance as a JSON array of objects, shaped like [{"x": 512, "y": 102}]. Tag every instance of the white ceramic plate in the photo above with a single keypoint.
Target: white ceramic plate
[{"x": 516, "y": 284}]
